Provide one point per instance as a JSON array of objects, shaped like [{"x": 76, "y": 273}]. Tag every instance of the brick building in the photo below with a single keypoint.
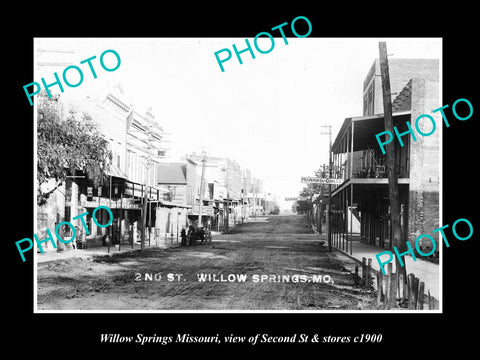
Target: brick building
[
  {"x": 363, "y": 197},
  {"x": 401, "y": 72},
  {"x": 136, "y": 142}
]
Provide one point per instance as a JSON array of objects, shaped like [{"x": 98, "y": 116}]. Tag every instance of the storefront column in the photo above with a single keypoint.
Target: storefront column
[{"x": 73, "y": 213}]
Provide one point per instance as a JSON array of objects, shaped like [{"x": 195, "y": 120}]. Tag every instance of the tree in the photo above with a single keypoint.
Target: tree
[
  {"x": 67, "y": 146},
  {"x": 303, "y": 206}
]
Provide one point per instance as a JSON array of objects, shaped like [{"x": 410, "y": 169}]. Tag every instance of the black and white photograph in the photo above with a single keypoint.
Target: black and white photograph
[
  {"x": 268, "y": 190},
  {"x": 240, "y": 182}
]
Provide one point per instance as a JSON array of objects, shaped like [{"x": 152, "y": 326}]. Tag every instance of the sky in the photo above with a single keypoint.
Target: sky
[{"x": 266, "y": 113}]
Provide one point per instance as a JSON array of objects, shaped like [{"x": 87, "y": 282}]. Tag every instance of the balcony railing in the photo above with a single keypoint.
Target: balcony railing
[{"x": 367, "y": 164}]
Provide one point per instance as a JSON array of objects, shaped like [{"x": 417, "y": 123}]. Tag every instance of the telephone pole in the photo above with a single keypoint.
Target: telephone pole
[
  {"x": 390, "y": 158},
  {"x": 200, "y": 197},
  {"x": 254, "y": 198},
  {"x": 148, "y": 162},
  {"x": 227, "y": 210},
  {"x": 330, "y": 166}
]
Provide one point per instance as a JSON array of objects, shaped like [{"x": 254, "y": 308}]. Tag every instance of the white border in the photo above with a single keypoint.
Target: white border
[{"x": 392, "y": 311}]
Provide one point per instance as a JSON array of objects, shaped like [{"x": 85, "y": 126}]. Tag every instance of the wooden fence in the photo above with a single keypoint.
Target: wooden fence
[{"x": 395, "y": 292}]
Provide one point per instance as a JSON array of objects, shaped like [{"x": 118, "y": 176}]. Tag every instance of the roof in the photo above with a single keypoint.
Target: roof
[
  {"x": 171, "y": 173},
  {"x": 403, "y": 101},
  {"x": 365, "y": 129},
  {"x": 115, "y": 171}
]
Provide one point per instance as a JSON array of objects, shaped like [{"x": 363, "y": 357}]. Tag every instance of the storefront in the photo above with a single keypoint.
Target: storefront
[
  {"x": 124, "y": 198},
  {"x": 361, "y": 211},
  {"x": 209, "y": 216},
  {"x": 168, "y": 220}
]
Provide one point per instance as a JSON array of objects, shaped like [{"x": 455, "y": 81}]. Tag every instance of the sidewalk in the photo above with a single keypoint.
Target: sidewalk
[
  {"x": 426, "y": 271},
  {"x": 99, "y": 251}
]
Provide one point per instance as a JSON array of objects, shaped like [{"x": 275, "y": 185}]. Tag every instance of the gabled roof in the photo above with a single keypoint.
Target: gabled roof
[{"x": 171, "y": 173}]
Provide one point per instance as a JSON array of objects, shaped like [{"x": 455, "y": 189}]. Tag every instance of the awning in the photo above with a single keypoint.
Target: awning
[
  {"x": 136, "y": 190},
  {"x": 170, "y": 204},
  {"x": 115, "y": 171},
  {"x": 365, "y": 128}
]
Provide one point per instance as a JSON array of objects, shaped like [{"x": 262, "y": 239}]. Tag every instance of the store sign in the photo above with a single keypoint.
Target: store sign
[
  {"x": 317, "y": 180},
  {"x": 206, "y": 210},
  {"x": 297, "y": 198},
  {"x": 112, "y": 204}
]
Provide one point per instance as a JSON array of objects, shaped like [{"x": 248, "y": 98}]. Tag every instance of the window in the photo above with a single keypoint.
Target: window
[
  {"x": 370, "y": 101},
  {"x": 89, "y": 223}
]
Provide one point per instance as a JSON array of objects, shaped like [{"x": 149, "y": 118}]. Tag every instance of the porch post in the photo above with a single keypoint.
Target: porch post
[
  {"x": 351, "y": 217},
  {"x": 351, "y": 187}
]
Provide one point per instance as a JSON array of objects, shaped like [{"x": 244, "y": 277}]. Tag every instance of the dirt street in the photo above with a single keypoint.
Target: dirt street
[{"x": 269, "y": 263}]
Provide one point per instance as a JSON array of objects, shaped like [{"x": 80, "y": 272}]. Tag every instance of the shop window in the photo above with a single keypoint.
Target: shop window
[
  {"x": 67, "y": 213},
  {"x": 102, "y": 218}
]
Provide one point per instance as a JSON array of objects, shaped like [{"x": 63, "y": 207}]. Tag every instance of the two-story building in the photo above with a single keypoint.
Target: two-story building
[
  {"x": 179, "y": 181},
  {"x": 137, "y": 145},
  {"x": 360, "y": 204},
  {"x": 224, "y": 193}
]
